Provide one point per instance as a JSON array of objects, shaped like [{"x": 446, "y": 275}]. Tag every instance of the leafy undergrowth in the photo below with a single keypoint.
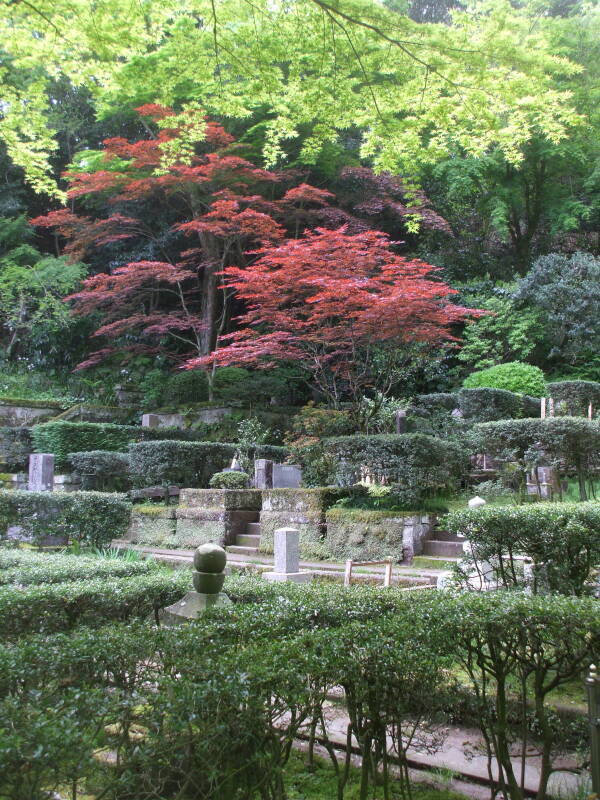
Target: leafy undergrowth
[{"x": 319, "y": 783}]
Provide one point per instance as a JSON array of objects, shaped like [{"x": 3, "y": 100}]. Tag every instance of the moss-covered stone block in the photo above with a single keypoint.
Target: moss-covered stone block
[
  {"x": 303, "y": 509},
  {"x": 231, "y": 499},
  {"x": 152, "y": 525},
  {"x": 196, "y": 526},
  {"x": 364, "y": 535}
]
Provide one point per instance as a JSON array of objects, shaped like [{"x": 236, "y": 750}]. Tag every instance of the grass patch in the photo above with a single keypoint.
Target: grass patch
[
  {"x": 319, "y": 783},
  {"x": 426, "y": 562}
]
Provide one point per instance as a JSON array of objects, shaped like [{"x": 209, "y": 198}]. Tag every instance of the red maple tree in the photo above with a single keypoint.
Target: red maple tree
[{"x": 344, "y": 306}]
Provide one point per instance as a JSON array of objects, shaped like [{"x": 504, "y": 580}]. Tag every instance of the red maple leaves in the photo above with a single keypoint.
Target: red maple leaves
[{"x": 334, "y": 302}]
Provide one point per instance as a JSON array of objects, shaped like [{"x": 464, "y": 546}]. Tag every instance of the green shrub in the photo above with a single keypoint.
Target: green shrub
[
  {"x": 103, "y": 470},
  {"x": 185, "y": 387},
  {"x": 229, "y": 480},
  {"x": 561, "y": 538},
  {"x": 513, "y": 377},
  {"x": 189, "y": 464},
  {"x": 486, "y": 405},
  {"x": 415, "y": 463},
  {"x": 38, "y": 568},
  {"x": 15, "y": 447},
  {"x": 63, "y": 438},
  {"x": 56, "y": 607},
  {"x": 576, "y": 395},
  {"x": 437, "y": 401},
  {"x": 90, "y": 518},
  {"x": 570, "y": 443}
]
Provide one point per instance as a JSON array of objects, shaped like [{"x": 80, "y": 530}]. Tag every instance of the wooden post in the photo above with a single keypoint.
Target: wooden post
[
  {"x": 348, "y": 572},
  {"x": 387, "y": 581},
  {"x": 543, "y": 408},
  {"x": 590, "y": 412},
  {"x": 592, "y": 685}
]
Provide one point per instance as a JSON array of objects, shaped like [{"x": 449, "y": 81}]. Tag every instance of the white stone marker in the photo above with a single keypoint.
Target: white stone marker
[
  {"x": 150, "y": 420},
  {"x": 476, "y": 502},
  {"x": 41, "y": 472},
  {"x": 287, "y": 558}
]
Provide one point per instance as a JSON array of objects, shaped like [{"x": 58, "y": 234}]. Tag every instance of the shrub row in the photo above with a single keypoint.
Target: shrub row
[
  {"x": 189, "y": 464},
  {"x": 232, "y": 713},
  {"x": 102, "y": 470},
  {"x": 38, "y": 568},
  {"x": 91, "y": 518},
  {"x": 63, "y": 438},
  {"x": 480, "y": 404},
  {"x": 570, "y": 442},
  {"x": 561, "y": 538},
  {"x": 415, "y": 462},
  {"x": 15, "y": 447},
  {"x": 575, "y": 395},
  {"x": 49, "y": 608}
]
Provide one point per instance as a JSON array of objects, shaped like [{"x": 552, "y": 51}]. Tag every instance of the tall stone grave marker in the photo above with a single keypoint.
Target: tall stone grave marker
[
  {"x": 263, "y": 473},
  {"x": 41, "y": 472},
  {"x": 287, "y": 558},
  {"x": 400, "y": 421}
]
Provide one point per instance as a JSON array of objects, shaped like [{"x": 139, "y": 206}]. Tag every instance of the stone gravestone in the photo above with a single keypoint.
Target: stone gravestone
[
  {"x": 208, "y": 578},
  {"x": 41, "y": 472},
  {"x": 150, "y": 420},
  {"x": 263, "y": 473},
  {"x": 400, "y": 421},
  {"x": 287, "y": 558},
  {"x": 286, "y": 476}
]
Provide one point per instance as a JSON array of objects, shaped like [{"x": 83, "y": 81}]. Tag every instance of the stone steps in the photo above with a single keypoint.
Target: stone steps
[
  {"x": 248, "y": 539},
  {"x": 435, "y": 547},
  {"x": 253, "y": 529},
  {"x": 242, "y": 549},
  {"x": 445, "y": 536}
]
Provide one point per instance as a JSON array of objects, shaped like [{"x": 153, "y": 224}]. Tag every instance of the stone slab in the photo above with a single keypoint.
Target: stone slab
[
  {"x": 293, "y": 577},
  {"x": 191, "y": 607},
  {"x": 286, "y": 476},
  {"x": 41, "y": 472}
]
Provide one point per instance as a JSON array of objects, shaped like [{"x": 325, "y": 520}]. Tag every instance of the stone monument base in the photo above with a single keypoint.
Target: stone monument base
[
  {"x": 295, "y": 577},
  {"x": 191, "y": 607}
]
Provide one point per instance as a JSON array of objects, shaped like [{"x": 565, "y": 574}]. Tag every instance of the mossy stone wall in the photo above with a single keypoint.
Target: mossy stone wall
[{"x": 374, "y": 535}]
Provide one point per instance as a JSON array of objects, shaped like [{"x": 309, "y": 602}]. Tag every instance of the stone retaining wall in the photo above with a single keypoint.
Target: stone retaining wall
[
  {"x": 303, "y": 509},
  {"x": 374, "y": 535},
  {"x": 214, "y": 515}
]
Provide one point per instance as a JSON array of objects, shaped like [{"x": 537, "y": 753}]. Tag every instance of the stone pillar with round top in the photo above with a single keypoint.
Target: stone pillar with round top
[{"x": 208, "y": 577}]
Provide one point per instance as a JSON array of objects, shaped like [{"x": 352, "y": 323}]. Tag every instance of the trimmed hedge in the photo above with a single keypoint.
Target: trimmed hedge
[
  {"x": 103, "y": 470},
  {"x": 437, "y": 401},
  {"x": 572, "y": 442},
  {"x": 49, "y": 608},
  {"x": 487, "y": 405},
  {"x": 417, "y": 463},
  {"x": 15, "y": 447},
  {"x": 576, "y": 395},
  {"x": 561, "y": 538},
  {"x": 229, "y": 480},
  {"x": 64, "y": 438},
  {"x": 38, "y": 568},
  {"x": 514, "y": 376},
  {"x": 189, "y": 464},
  {"x": 91, "y": 518},
  {"x": 234, "y": 691}
]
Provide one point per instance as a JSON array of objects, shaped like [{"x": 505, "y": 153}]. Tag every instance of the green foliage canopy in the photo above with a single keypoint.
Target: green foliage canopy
[{"x": 415, "y": 90}]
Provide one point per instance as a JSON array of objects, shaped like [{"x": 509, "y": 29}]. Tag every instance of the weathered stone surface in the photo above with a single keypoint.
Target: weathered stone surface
[
  {"x": 234, "y": 499},
  {"x": 162, "y": 421},
  {"x": 13, "y": 480},
  {"x": 286, "y": 565},
  {"x": 401, "y": 422},
  {"x": 263, "y": 473},
  {"x": 190, "y": 607},
  {"x": 210, "y": 558},
  {"x": 303, "y": 509},
  {"x": 16, "y": 416},
  {"x": 152, "y": 525},
  {"x": 66, "y": 483},
  {"x": 372, "y": 535},
  {"x": 286, "y": 476},
  {"x": 196, "y": 526},
  {"x": 41, "y": 472}
]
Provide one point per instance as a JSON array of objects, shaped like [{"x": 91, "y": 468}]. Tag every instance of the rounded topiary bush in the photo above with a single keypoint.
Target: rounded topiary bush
[
  {"x": 512, "y": 377},
  {"x": 229, "y": 480}
]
